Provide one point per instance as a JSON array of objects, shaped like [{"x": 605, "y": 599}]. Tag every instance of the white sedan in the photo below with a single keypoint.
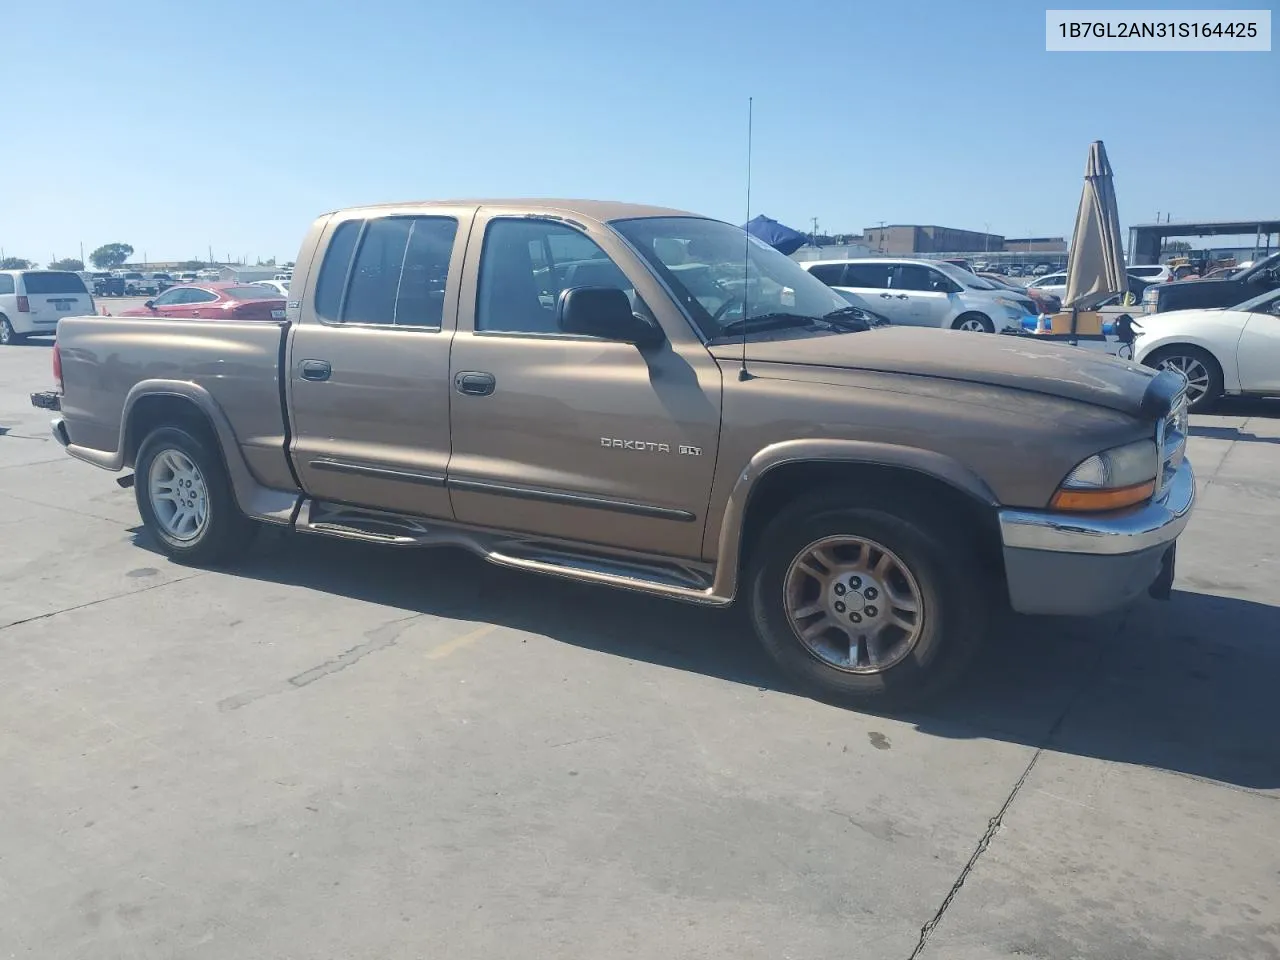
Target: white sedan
[
  {"x": 1220, "y": 352},
  {"x": 279, "y": 286}
]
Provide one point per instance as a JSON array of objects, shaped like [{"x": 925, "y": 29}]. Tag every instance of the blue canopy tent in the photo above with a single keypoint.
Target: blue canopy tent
[{"x": 779, "y": 236}]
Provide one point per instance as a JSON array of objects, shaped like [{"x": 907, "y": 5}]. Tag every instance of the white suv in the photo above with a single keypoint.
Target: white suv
[
  {"x": 33, "y": 301},
  {"x": 924, "y": 293}
]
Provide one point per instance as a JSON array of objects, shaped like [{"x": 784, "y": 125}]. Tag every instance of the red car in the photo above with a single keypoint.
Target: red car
[{"x": 214, "y": 301}]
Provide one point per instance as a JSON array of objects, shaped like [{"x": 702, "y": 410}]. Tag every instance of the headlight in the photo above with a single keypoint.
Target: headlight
[
  {"x": 1110, "y": 480},
  {"x": 1150, "y": 295}
]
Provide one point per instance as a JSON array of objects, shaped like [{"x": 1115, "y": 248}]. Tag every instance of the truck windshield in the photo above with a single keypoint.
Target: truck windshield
[{"x": 725, "y": 278}]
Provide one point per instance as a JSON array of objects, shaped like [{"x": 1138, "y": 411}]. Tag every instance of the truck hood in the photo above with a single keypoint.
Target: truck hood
[{"x": 1016, "y": 363}]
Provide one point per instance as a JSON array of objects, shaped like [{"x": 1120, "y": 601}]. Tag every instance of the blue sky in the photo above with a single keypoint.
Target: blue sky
[{"x": 174, "y": 128}]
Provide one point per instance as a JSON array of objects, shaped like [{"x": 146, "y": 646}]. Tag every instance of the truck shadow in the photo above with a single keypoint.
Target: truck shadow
[{"x": 1187, "y": 686}]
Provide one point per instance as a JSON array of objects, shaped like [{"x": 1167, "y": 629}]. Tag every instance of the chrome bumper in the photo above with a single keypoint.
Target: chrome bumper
[
  {"x": 1086, "y": 565},
  {"x": 1152, "y": 525}
]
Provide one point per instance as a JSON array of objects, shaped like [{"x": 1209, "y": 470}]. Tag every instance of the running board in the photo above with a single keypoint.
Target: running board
[{"x": 680, "y": 580}]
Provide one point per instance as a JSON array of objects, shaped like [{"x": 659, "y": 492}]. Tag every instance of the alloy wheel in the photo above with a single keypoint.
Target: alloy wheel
[
  {"x": 1195, "y": 372},
  {"x": 854, "y": 604},
  {"x": 179, "y": 495}
]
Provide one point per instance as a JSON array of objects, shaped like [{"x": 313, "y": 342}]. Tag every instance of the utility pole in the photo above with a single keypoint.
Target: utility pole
[
  {"x": 82, "y": 253},
  {"x": 880, "y": 244},
  {"x": 814, "y": 236}
]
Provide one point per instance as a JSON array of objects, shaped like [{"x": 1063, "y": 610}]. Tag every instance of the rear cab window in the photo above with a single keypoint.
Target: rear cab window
[
  {"x": 37, "y": 283},
  {"x": 6, "y": 283},
  {"x": 389, "y": 271}
]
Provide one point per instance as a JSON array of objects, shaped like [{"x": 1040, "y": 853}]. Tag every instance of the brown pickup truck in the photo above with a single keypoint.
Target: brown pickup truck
[{"x": 647, "y": 399}]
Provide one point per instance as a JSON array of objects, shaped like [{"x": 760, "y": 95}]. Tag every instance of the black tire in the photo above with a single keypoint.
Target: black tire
[
  {"x": 8, "y": 336},
  {"x": 983, "y": 319},
  {"x": 226, "y": 532},
  {"x": 1177, "y": 354},
  {"x": 955, "y": 596}
]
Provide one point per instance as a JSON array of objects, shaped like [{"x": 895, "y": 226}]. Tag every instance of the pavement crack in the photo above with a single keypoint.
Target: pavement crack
[
  {"x": 94, "y": 603},
  {"x": 377, "y": 639},
  {"x": 994, "y": 824}
]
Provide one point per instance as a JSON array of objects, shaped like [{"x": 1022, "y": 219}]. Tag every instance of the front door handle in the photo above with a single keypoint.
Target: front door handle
[
  {"x": 886, "y": 296},
  {"x": 903, "y": 296},
  {"x": 475, "y": 383},
  {"x": 317, "y": 370}
]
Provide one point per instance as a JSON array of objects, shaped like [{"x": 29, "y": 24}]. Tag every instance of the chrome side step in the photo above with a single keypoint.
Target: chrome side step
[{"x": 679, "y": 580}]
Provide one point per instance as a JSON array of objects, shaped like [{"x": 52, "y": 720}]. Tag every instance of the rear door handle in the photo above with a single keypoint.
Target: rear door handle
[
  {"x": 475, "y": 383},
  {"x": 886, "y": 296},
  {"x": 316, "y": 370},
  {"x": 903, "y": 296}
]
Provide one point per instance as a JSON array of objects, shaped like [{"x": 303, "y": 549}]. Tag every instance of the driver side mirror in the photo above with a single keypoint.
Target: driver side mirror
[
  {"x": 150, "y": 304},
  {"x": 604, "y": 312}
]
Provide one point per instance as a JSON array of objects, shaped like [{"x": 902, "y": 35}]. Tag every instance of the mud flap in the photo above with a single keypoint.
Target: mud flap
[{"x": 1162, "y": 586}]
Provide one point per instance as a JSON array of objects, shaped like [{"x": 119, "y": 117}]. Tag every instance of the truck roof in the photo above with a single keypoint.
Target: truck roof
[{"x": 601, "y": 211}]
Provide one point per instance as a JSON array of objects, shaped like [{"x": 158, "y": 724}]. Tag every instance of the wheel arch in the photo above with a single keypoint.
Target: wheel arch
[
  {"x": 154, "y": 404},
  {"x": 1230, "y": 369},
  {"x": 781, "y": 473}
]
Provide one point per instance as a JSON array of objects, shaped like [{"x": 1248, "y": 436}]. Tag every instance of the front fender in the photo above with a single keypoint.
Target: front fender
[
  {"x": 930, "y": 463},
  {"x": 1149, "y": 344}
]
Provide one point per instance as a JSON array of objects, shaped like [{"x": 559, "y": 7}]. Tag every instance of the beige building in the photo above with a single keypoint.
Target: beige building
[{"x": 900, "y": 238}]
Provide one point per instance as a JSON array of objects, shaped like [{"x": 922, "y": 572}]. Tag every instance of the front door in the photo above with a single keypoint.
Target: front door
[
  {"x": 569, "y": 436},
  {"x": 928, "y": 294},
  {"x": 1258, "y": 352},
  {"x": 369, "y": 387}
]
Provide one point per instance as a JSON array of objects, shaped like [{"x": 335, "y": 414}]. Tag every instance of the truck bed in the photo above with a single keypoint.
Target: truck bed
[{"x": 108, "y": 361}]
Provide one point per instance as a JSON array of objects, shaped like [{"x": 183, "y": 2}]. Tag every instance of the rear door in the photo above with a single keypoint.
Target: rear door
[
  {"x": 368, "y": 363},
  {"x": 867, "y": 285},
  {"x": 52, "y": 295}
]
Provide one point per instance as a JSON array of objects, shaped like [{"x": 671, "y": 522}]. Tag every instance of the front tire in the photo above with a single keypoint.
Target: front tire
[
  {"x": 1201, "y": 370},
  {"x": 873, "y": 604},
  {"x": 185, "y": 499},
  {"x": 974, "y": 323}
]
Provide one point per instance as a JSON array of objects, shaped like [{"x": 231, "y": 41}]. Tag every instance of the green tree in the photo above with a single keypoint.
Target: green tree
[
  {"x": 111, "y": 255},
  {"x": 67, "y": 263},
  {"x": 1177, "y": 246},
  {"x": 15, "y": 263},
  {"x": 192, "y": 265}
]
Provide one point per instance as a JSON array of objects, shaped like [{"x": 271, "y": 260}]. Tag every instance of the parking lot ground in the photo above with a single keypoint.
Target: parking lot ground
[{"x": 332, "y": 750}]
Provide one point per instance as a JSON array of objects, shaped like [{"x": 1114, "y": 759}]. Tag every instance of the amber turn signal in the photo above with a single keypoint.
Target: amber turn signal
[{"x": 1098, "y": 501}]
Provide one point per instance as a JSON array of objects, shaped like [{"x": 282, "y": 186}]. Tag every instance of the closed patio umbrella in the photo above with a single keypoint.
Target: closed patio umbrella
[{"x": 1095, "y": 269}]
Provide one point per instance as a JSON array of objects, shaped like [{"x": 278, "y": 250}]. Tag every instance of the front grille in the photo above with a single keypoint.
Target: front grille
[{"x": 1171, "y": 438}]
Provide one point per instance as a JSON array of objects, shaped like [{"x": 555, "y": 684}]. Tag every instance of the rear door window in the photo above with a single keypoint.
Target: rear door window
[
  {"x": 397, "y": 276},
  {"x": 829, "y": 273},
  {"x": 52, "y": 282},
  {"x": 872, "y": 276}
]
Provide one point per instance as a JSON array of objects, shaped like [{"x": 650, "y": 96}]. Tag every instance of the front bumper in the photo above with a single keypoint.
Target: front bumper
[{"x": 1079, "y": 565}]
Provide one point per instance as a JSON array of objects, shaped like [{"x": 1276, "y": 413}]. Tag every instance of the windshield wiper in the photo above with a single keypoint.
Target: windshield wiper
[
  {"x": 854, "y": 319},
  {"x": 765, "y": 321}
]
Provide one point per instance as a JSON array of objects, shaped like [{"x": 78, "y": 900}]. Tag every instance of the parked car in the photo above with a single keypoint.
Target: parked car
[
  {"x": 1013, "y": 270},
  {"x": 1044, "y": 302},
  {"x": 163, "y": 281},
  {"x": 213, "y": 301},
  {"x": 1220, "y": 352},
  {"x": 278, "y": 287},
  {"x": 1222, "y": 273},
  {"x": 107, "y": 285},
  {"x": 960, "y": 262},
  {"x": 1188, "y": 294},
  {"x": 33, "y": 301},
  {"x": 1040, "y": 269},
  {"x": 852, "y": 486},
  {"x": 925, "y": 293},
  {"x": 138, "y": 285},
  {"x": 1055, "y": 285},
  {"x": 1150, "y": 272}
]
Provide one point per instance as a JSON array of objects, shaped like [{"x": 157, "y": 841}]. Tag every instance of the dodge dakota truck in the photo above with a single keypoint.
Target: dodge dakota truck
[{"x": 647, "y": 399}]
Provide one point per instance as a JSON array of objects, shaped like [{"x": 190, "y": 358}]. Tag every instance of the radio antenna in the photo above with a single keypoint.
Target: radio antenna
[{"x": 746, "y": 250}]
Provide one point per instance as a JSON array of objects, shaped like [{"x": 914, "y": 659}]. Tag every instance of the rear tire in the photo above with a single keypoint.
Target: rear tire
[
  {"x": 843, "y": 626},
  {"x": 185, "y": 499},
  {"x": 974, "y": 323},
  {"x": 8, "y": 336}
]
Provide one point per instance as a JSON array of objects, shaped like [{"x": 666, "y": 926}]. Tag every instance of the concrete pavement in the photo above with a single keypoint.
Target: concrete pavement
[{"x": 340, "y": 751}]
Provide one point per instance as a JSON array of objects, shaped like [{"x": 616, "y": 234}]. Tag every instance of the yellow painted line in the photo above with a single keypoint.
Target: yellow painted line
[{"x": 457, "y": 643}]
